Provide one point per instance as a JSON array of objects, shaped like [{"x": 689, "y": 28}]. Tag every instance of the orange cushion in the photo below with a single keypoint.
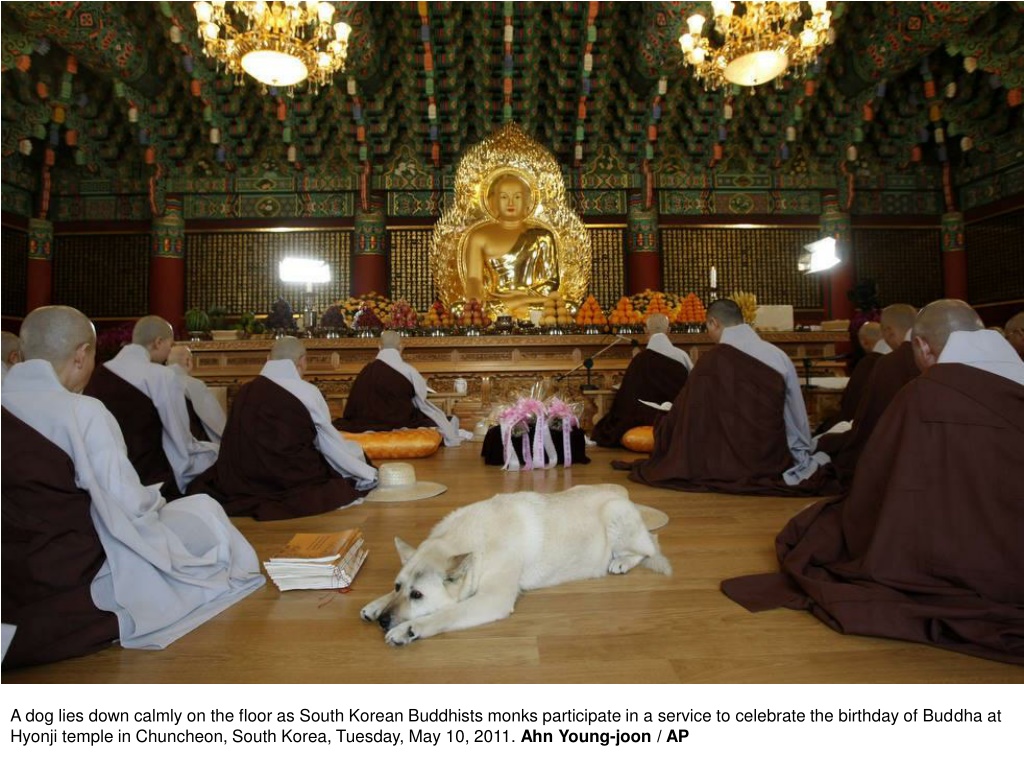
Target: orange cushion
[
  {"x": 639, "y": 439},
  {"x": 398, "y": 444}
]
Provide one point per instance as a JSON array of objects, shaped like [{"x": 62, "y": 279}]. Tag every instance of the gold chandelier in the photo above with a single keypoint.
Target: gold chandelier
[
  {"x": 277, "y": 43},
  {"x": 759, "y": 45}
]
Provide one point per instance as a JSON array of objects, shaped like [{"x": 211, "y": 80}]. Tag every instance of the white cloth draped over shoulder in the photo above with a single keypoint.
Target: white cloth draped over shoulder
[
  {"x": 170, "y": 566},
  {"x": 346, "y": 457},
  {"x": 798, "y": 431},
  {"x": 205, "y": 404},
  {"x": 448, "y": 427},
  {"x": 659, "y": 342},
  {"x": 188, "y": 457},
  {"x": 881, "y": 347},
  {"x": 985, "y": 350}
]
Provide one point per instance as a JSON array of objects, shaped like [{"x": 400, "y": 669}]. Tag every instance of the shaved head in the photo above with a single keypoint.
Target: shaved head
[
  {"x": 390, "y": 340},
  {"x": 868, "y": 335},
  {"x": 1014, "y": 329},
  {"x": 288, "y": 348},
  {"x": 727, "y": 312},
  {"x": 657, "y": 323},
  {"x": 11, "y": 348},
  {"x": 156, "y": 335},
  {"x": 180, "y": 355},
  {"x": 896, "y": 320},
  {"x": 936, "y": 322},
  {"x": 63, "y": 337}
]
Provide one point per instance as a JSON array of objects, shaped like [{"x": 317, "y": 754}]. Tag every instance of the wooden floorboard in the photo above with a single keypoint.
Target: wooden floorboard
[{"x": 638, "y": 628}]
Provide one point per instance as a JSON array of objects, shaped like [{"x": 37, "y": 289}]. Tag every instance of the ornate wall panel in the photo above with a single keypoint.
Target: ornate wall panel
[
  {"x": 995, "y": 258},
  {"x": 761, "y": 260},
  {"x": 104, "y": 275},
  {"x": 238, "y": 270},
  {"x": 14, "y": 263},
  {"x": 906, "y": 264},
  {"x": 607, "y": 278},
  {"x": 410, "y": 268}
]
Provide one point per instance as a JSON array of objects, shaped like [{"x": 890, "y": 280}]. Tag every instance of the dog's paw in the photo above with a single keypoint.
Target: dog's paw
[
  {"x": 624, "y": 564},
  {"x": 370, "y": 612},
  {"x": 403, "y": 634}
]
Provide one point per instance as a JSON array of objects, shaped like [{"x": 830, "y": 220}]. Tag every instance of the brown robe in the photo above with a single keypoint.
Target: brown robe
[
  {"x": 381, "y": 399},
  {"x": 141, "y": 426},
  {"x": 853, "y": 393},
  {"x": 269, "y": 466},
  {"x": 889, "y": 376},
  {"x": 650, "y": 376},
  {"x": 929, "y": 544},
  {"x": 725, "y": 433},
  {"x": 51, "y": 552},
  {"x": 195, "y": 424}
]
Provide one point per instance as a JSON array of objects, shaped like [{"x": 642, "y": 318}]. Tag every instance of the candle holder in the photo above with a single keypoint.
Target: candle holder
[{"x": 712, "y": 295}]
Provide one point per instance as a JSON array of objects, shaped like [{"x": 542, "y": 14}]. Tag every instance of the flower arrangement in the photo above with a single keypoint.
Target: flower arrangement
[
  {"x": 110, "y": 340},
  {"x": 532, "y": 421}
]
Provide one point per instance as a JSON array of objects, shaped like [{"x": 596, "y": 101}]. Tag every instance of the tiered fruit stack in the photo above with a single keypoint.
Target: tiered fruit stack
[
  {"x": 748, "y": 305},
  {"x": 591, "y": 313},
  {"x": 367, "y": 319},
  {"x": 403, "y": 317},
  {"x": 691, "y": 311},
  {"x": 642, "y": 301},
  {"x": 438, "y": 316},
  {"x": 381, "y": 305},
  {"x": 657, "y": 305},
  {"x": 473, "y": 315},
  {"x": 556, "y": 313},
  {"x": 625, "y": 314}
]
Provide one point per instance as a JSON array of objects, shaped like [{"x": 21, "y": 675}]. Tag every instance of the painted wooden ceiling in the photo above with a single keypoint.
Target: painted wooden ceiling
[{"x": 99, "y": 89}]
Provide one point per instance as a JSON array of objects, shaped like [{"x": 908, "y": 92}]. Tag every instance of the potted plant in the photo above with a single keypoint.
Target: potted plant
[
  {"x": 197, "y": 323},
  {"x": 219, "y": 327}
]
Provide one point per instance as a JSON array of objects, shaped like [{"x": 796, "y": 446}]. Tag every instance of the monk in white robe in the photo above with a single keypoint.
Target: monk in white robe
[
  {"x": 204, "y": 411},
  {"x": 165, "y": 568},
  {"x": 11, "y": 354}
]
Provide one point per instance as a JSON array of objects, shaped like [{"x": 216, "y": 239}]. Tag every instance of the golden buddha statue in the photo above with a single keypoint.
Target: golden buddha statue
[
  {"x": 510, "y": 237},
  {"x": 508, "y": 261}
]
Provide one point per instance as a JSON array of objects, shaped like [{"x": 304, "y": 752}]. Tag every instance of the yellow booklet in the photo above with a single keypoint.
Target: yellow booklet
[{"x": 317, "y": 547}]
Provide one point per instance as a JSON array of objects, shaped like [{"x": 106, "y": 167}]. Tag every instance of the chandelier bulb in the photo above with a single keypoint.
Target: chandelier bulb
[
  {"x": 695, "y": 24},
  {"x": 204, "y": 12}
]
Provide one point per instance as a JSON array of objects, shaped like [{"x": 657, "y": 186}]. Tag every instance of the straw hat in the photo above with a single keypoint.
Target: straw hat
[
  {"x": 653, "y": 518},
  {"x": 396, "y": 481}
]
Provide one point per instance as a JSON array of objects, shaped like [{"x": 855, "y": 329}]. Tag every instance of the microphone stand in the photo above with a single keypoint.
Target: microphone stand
[{"x": 589, "y": 364}]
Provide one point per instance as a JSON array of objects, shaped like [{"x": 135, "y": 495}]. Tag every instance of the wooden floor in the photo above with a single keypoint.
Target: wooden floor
[{"x": 637, "y": 628}]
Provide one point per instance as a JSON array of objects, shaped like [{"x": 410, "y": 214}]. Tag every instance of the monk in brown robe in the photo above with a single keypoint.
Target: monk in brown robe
[
  {"x": 740, "y": 423},
  {"x": 929, "y": 544},
  {"x": 280, "y": 457},
  {"x": 891, "y": 372},
  {"x": 1014, "y": 330},
  {"x": 868, "y": 336},
  {"x": 656, "y": 375}
]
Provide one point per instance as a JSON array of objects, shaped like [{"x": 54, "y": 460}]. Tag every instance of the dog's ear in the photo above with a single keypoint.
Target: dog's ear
[
  {"x": 460, "y": 577},
  {"x": 404, "y": 550}
]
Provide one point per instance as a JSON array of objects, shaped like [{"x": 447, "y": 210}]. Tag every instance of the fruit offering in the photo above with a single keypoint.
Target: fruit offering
[
  {"x": 438, "y": 316},
  {"x": 333, "y": 317},
  {"x": 367, "y": 319},
  {"x": 624, "y": 313},
  {"x": 590, "y": 313},
  {"x": 556, "y": 313},
  {"x": 692, "y": 310},
  {"x": 473, "y": 315},
  {"x": 748, "y": 305},
  {"x": 642, "y": 301},
  {"x": 657, "y": 306},
  {"x": 381, "y": 305},
  {"x": 403, "y": 317}
]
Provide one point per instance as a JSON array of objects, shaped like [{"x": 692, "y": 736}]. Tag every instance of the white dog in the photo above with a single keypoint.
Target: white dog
[{"x": 472, "y": 567}]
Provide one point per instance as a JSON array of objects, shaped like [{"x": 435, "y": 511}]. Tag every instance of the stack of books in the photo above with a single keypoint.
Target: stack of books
[{"x": 318, "y": 561}]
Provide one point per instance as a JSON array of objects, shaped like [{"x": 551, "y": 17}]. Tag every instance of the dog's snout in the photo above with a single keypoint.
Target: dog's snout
[{"x": 385, "y": 620}]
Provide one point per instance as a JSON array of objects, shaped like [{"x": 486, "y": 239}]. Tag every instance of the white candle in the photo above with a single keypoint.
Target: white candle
[{"x": 713, "y": 280}]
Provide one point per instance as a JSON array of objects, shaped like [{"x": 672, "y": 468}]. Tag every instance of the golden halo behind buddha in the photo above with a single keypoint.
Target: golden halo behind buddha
[{"x": 552, "y": 247}]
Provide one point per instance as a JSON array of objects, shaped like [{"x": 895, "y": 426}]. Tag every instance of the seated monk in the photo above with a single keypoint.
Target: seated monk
[
  {"x": 11, "y": 352},
  {"x": 869, "y": 336},
  {"x": 148, "y": 401},
  {"x": 928, "y": 546},
  {"x": 1014, "y": 330},
  {"x": 655, "y": 375},
  {"x": 740, "y": 423},
  {"x": 390, "y": 394},
  {"x": 280, "y": 457},
  {"x": 206, "y": 418},
  {"x": 890, "y": 373},
  {"x": 90, "y": 554}
]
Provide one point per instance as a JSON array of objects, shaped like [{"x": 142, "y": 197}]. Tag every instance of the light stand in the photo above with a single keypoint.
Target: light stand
[{"x": 307, "y": 272}]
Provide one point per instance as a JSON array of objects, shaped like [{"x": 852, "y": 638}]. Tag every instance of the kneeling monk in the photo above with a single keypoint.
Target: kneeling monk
[
  {"x": 929, "y": 544},
  {"x": 279, "y": 456}
]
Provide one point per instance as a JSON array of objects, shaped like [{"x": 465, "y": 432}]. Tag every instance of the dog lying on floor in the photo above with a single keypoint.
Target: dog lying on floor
[{"x": 477, "y": 560}]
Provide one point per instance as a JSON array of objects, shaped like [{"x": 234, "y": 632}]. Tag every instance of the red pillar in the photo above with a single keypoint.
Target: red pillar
[
  {"x": 39, "y": 278},
  {"x": 369, "y": 262},
  {"x": 954, "y": 256},
  {"x": 643, "y": 259},
  {"x": 167, "y": 268}
]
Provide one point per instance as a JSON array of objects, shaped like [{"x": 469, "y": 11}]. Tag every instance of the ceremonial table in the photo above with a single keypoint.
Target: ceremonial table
[{"x": 497, "y": 368}]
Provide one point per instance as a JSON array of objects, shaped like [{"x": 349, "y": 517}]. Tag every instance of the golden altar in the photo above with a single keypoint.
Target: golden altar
[{"x": 496, "y": 368}]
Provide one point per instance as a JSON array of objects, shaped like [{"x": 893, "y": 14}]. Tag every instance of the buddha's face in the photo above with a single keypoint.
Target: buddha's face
[{"x": 510, "y": 199}]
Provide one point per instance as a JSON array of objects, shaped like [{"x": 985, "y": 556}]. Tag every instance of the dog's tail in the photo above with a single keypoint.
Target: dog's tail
[{"x": 657, "y": 562}]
